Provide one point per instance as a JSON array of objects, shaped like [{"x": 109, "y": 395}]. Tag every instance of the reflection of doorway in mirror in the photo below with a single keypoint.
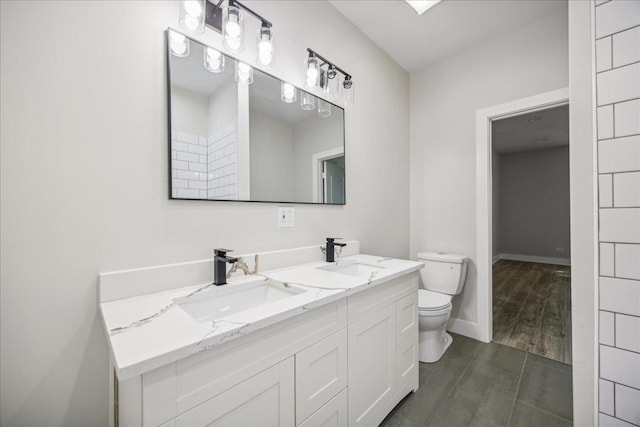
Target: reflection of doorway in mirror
[
  {"x": 328, "y": 176},
  {"x": 333, "y": 180}
]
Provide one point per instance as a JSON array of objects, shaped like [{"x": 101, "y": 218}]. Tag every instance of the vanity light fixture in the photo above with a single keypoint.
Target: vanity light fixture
[
  {"x": 213, "y": 60},
  {"x": 327, "y": 77},
  {"x": 288, "y": 92},
  {"x": 244, "y": 73},
  {"x": 178, "y": 44},
  {"x": 307, "y": 101},
  {"x": 229, "y": 21}
]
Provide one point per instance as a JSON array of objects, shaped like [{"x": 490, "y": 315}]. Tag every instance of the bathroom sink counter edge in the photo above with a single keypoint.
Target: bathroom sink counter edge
[{"x": 152, "y": 330}]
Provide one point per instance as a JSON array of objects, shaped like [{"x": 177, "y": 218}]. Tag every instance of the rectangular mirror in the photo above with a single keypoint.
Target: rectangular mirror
[{"x": 239, "y": 134}]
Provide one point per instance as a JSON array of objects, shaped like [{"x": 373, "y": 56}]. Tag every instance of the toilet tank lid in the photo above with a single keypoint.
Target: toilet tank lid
[{"x": 442, "y": 257}]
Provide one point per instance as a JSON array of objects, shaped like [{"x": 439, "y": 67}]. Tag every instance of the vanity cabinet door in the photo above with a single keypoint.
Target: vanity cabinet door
[
  {"x": 372, "y": 367},
  {"x": 407, "y": 317},
  {"x": 321, "y": 372},
  {"x": 408, "y": 366},
  {"x": 266, "y": 399}
]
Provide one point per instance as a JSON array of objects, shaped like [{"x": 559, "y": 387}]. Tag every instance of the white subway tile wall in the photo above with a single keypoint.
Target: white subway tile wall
[
  {"x": 617, "y": 47},
  {"x": 222, "y": 169},
  {"x": 188, "y": 168}
]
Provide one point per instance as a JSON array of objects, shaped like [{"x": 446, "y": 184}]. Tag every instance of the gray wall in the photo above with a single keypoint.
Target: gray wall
[
  {"x": 84, "y": 179},
  {"x": 444, "y": 98},
  {"x": 534, "y": 203}
]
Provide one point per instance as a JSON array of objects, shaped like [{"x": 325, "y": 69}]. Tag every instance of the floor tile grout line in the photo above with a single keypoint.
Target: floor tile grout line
[
  {"x": 442, "y": 407},
  {"x": 515, "y": 395},
  {"x": 545, "y": 411}
]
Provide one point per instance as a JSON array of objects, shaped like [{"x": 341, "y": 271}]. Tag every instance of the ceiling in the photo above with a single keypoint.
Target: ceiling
[
  {"x": 415, "y": 41},
  {"x": 531, "y": 131}
]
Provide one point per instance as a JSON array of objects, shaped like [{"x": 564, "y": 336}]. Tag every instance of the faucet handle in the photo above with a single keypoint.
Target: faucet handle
[{"x": 331, "y": 239}]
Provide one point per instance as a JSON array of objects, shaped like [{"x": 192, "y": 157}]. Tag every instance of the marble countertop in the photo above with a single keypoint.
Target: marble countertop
[{"x": 152, "y": 330}]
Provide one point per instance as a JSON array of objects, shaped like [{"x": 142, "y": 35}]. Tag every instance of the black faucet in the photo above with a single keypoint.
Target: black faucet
[
  {"x": 220, "y": 266},
  {"x": 330, "y": 250}
]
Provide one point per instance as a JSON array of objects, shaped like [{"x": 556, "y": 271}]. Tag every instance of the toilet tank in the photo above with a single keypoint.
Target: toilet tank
[{"x": 444, "y": 273}]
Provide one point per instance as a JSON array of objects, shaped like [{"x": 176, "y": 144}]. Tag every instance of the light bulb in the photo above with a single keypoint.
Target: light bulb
[
  {"x": 244, "y": 73},
  {"x": 311, "y": 83},
  {"x": 213, "y": 54},
  {"x": 213, "y": 60},
  {"x": 192, "y": 16},
  {"x": 178, "y": 44},
  {"x": 265, "y": 51},
  {"x": 193, "y": 8},
  {"x": 232, "y": 28},
  {"x": 191, "y": 23},
  {"x": 288, "y": 93},
  {"x": 233, "y": 23},
  {"x": 176, "y": 37}
]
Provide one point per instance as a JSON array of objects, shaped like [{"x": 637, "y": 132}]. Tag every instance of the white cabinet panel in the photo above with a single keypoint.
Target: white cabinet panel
[
  {"x": 333, "y": 414},
  {"x": 407, "y": 317},
  {"x": 407, "y": 362},
  {"x": 372, "y": 367},
  {"x": 321, "y": 372},
  {"x": 266, "y": 399}
]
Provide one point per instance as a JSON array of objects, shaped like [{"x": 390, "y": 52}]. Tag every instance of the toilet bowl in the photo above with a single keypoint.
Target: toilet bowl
[
  {"x": 443, "y": 276},
  {"x": 433, "y": 313}
]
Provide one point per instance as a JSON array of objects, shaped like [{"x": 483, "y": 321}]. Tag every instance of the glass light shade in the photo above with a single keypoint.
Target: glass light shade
[
  {"x": 347, "y": 90},
  {"x": 324, "y": 108},
  {"x": 307, "y": 101},
  {"x": 213, "y": 60},
  {"x": 233, "y": 28},
  {"x": 332, "y": 90},
  {"x": 244, "y": 73},
  {"x": 266, "y": 48},
  {"x": 288, "y": 92},
  {"x": 312, "y": 72},
  {"x": 178, "y": 44},
  {"x": 192, "y": 15}
]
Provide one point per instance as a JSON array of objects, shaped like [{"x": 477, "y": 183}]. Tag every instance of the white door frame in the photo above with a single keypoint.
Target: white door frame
[
  {"x": 315, "y": 170},
  {"x": 484, "y": 196}
]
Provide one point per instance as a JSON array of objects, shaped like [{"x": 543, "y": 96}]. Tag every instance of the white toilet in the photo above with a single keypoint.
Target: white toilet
[{"x": 443, "y": 277}]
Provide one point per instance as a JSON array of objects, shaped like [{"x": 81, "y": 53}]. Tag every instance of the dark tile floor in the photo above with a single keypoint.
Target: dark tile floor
[{"x": 478, "y": 384}]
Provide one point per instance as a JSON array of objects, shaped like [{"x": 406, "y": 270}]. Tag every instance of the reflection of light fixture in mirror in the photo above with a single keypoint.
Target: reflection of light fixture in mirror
[
  {"x": 307, "y": 101},
  {"x": 327, "y": 77},
  {"x": 192, "y": 15},
  {"x": 233, "y": 28},
  {"x": 178, "y": 44},
  {"x": 265, "y": 45},
  {"x": 213, "y": 60},
  {"x": 288, "y": 92},
  {"x": 244, "y": 73},
  {"x": 347, "y": 90},
  {"x": 324, "y": 108},
  {"x": 311, "y": 72}
]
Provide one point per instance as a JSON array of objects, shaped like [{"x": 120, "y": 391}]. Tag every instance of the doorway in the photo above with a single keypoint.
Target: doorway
[
  {"x": 484, "y": 194},
  {"x": 531, "y": 275}
]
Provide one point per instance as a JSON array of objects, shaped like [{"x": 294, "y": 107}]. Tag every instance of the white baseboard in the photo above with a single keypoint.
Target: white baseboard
[
  {"x": 496, "y": 258},
  {"x": 532, "y": 258},
  {"x": 467, "y": 328}
]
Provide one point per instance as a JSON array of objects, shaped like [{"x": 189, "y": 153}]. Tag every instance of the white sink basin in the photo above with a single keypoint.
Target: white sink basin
[
  {"x": 231, "y": 299},
  {"x": 355, "y": 269}
]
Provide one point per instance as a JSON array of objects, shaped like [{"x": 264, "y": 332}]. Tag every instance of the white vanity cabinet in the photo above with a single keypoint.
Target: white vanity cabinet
[
  {"x": 383, "y": 349},
  {"x": 345, "y": 363}
]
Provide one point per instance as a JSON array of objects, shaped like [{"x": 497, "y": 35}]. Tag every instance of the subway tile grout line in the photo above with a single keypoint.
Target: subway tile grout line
[
  {"x": 617, "y": 67},
  {"x": 617, "y": 32}
]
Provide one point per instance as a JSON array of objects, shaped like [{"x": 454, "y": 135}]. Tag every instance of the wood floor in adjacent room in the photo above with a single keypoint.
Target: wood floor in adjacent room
[{"x": 532, "y": 308}]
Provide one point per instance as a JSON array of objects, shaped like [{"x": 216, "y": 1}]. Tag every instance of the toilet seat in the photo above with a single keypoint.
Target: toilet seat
[{"x": 429, "y": 301}]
